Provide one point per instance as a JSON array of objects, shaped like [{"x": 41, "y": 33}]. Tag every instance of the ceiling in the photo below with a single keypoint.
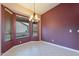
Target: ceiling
[{"x": 40, "y": 8}]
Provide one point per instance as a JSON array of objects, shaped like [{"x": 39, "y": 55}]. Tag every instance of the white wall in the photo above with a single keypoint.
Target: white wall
[{"x": 0, "y": 29}]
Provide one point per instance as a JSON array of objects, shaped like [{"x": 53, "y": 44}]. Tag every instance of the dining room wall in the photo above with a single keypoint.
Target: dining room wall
[{"x": 60, "y": 25}]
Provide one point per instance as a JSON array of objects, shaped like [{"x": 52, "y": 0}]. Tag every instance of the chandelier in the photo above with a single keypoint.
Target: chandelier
[{"x": 34, "y": 17}]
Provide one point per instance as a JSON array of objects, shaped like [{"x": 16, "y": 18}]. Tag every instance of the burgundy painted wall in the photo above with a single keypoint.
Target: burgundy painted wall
[
  {"x": 5, "y": 16},
  {"x": 0, "y": 29},
  {"x": 7, "y": 45},
  {"x": 57, "y": 22}
]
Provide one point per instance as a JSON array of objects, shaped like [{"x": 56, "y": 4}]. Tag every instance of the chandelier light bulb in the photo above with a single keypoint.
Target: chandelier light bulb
[
  {"x": 34, "y": 17},
  {"x": 31, "y": 17}
]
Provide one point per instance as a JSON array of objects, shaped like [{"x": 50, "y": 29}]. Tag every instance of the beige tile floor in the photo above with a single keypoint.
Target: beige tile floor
[{"x": 39, "y": 48}]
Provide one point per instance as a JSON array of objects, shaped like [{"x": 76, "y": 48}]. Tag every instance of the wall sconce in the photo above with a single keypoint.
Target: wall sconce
[
  {"x": 70, "y": 30},
  {"x": 78, "y": 31}
]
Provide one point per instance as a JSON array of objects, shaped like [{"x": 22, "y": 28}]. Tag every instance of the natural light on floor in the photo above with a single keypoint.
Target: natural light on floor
[{"x": 39, "y": 48}]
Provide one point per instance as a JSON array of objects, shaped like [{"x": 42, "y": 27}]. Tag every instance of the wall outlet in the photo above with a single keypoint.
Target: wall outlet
[
  {"x": 52, "y": 40},
  {"x": 20, "y": 42}
]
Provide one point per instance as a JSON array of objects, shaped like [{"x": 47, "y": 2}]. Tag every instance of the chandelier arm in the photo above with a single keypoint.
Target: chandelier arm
[{"x": 34, "y": 17}]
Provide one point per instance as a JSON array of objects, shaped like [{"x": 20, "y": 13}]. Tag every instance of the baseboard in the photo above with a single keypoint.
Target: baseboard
[{"x": 62, "y": 47}]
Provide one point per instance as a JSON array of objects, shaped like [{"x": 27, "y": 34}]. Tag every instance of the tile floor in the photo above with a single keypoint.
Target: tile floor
[{"x": 38, "y": 48}]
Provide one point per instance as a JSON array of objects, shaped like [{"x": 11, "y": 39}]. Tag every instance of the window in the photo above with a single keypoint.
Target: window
[
  {"x": 22, "y": 27},
  {"x": 7, "y": 25},
  {"x": 35, "y": 29}
]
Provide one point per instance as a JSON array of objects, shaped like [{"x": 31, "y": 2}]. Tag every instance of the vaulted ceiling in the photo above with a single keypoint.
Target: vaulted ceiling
[
  {"x": 40, "y": 8},
  {"x": 28, "y": 8}
]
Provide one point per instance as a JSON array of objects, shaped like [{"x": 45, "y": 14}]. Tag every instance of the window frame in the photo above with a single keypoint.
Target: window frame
[
  {"x": 27, "y": 21},
  {"x": 37, "y": 29}
]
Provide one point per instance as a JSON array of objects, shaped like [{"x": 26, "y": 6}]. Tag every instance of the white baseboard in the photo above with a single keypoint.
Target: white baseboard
[{"x": 77, "y": 51}]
